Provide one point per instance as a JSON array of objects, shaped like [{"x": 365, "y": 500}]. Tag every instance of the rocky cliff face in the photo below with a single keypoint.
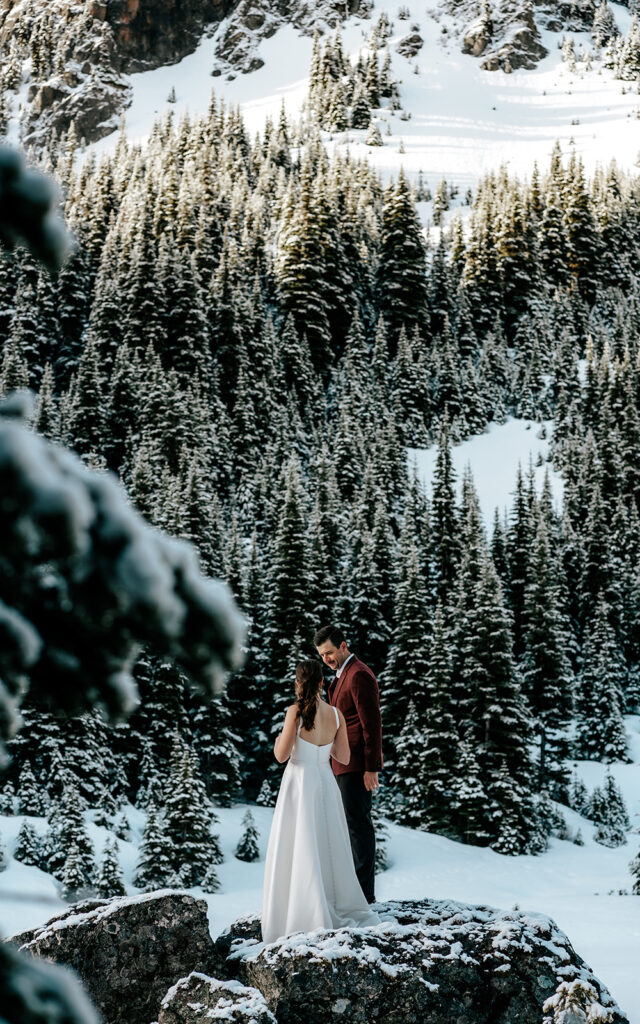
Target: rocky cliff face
[
  {"x": 79, "y": 54},
  {"x": 151, "y": 958},
  {"x": 149, "y": 33}
]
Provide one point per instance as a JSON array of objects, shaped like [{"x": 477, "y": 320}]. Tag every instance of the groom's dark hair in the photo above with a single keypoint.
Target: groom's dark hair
[{"x": 333, "y": 634}]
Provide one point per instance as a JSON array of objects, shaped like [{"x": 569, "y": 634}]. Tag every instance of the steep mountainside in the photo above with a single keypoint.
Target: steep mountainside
[
  {"x": 67, "y": 62},
  {"x": 64, "y": 61}
]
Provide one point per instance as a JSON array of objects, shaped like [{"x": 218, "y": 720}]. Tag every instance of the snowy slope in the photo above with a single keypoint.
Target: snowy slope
[
  {"x": 494, "y": 458},
  {"x": 577, "y": 886},
  {"x": 464, "y": 121}
]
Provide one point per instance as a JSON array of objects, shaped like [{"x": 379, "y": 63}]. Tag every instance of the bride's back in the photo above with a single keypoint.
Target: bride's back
[{"x": 324, "y": 726}]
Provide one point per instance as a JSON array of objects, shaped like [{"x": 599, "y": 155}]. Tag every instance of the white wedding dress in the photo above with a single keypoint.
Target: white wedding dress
[{"x": 309, "y": 878}]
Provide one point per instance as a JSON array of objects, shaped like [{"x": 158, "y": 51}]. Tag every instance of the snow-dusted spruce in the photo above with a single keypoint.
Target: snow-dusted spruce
[
  {"x": 175, "y": 349},
  {"x": 143, "y": 584},
  {"x": 634, "y": 867},
  {"x": 109, "y": 879},
  {"x": 247, "y": 848},
  {"x": 434, "y": 959}
]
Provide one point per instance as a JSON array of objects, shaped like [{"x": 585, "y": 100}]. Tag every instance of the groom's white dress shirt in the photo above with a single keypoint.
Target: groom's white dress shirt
[{"x": 343, "y": 666}]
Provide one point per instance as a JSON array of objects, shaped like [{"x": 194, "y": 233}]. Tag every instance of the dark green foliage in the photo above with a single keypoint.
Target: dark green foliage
[
  {"x": 109, "y": 881},
  {"x": 247, "y": 848}
]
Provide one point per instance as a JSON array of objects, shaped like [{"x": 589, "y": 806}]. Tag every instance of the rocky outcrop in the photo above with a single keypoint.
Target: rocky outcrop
[
  {"x": 411, "y": 44},
  {"x": 128, "y": 951},
  {"x": 520, "y": 45},
  {"x": 198, "y": 998},
  {"x": 428, "y": 960},
  {"x": 476, "y": 37},
  {"x": 150, "y": 958},
  {"x": 255, "y": 20},
  {"x": 95, "y": 45},
  {"x": 149, "y": 33}
]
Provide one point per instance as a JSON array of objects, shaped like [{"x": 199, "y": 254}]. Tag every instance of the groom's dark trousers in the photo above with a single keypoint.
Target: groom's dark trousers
[
  {"x": 356, "y": 694},
  {"x": 357, "y": 808}
]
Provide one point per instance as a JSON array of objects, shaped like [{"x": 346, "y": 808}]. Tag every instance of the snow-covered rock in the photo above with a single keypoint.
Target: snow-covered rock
[
  {"x": 428, "y": 959},
  {"x": 198, "y": 998},
  {"x": 128, "y": 951}
]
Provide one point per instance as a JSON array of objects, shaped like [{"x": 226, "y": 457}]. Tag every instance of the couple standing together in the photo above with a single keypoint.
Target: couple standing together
[{"x": 320, "y": 862}]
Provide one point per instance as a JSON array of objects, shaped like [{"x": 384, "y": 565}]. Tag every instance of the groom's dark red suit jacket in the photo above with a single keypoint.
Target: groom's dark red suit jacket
[{"x": 356, "y": 694}]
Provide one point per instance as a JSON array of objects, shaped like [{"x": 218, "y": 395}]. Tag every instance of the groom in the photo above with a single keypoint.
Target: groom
[{"x": 354, "y": 690}]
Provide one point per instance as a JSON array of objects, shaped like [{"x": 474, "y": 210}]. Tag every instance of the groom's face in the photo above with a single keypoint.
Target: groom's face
[{"x": 332, "y": 656}]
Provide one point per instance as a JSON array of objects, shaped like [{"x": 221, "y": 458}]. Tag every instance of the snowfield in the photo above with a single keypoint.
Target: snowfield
[
  {"x": 464, "y": 122},
  {"x": 578, "y": 886},
  {"x": 494, "y": 458}
]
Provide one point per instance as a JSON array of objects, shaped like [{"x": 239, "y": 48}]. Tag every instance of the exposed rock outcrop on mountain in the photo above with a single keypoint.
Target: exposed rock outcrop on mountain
[
  {"x": 79, "y": 54},
  {"x": 150, "y": 958},
  {"x": 129, "y": 950},
  {"x": 428, "y": 960}
]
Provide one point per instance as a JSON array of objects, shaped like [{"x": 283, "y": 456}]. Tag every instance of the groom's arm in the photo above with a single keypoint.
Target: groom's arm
[{"x": 366, "y": 698}]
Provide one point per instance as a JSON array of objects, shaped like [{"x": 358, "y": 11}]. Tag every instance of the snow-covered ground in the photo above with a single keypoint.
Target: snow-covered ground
[
  {"x": 494, "y": 458},
  {"x": 464, "y": 121},
  {"x": 576, "y": 885}
]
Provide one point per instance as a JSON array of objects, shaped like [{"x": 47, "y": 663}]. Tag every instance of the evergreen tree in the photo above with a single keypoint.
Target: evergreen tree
[
  {"x": 601, "y": 734},
  {"x": 441, "y": 752},
  {"x": 407, "y": 779},
  {"x": 8, "y": 799},
  {"x": 247, "y": 848},
  {"x": 579, "y": 796},
  {"x": 29, "y": 798},
  {"x": 634, "y": 867},
  {"x": 109, "y": 882},
  {"x": 472, "y": 804},
  {"x": 27, "y": 848},
  {"x": 153, "y": 869},
  {"x": 407, "y": 668},
  {"x": 401, "y": 284},
  {"x": 188, "y": 819},
  {"x": 547, "y": 680}
]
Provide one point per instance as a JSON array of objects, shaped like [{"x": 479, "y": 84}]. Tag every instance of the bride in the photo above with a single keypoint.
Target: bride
[{"x": 309, "y": 878}]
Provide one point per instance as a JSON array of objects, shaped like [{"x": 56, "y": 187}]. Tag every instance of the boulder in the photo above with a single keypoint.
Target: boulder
[
  {"x": 428, "y": 960},
  {"x": 198, "y": 998},
  {"x": 128, "y": 951},
  {"x": 410, "y": 44},
  {"x": 476, "y": 38}
]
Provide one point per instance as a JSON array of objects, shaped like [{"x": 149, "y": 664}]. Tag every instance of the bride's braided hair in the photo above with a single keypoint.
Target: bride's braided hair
[{"x": 309, "y": 677}]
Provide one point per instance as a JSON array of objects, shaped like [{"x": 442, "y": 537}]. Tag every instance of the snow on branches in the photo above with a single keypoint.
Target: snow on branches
[{"x": 85, "y": 582}]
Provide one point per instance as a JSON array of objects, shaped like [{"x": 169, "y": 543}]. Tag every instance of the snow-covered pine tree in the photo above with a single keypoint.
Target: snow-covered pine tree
[
  {"x": 29, "y": 797},
  {"x": 444, "y": 525},
  {"x": 27, "y": 848},
  {"x": 73, "y": 877},
  {"x": 405, "y": 675},
  {"x": 501, "y": 722},
  {"x": 247, "y": 848},
  {"x": 8, "y": 799},
  {"x": 600, "y": 732},
  {"x": 188, "y": 819},
  {"x": 441, "y": 750},
  {"x": 634, "y": 867},
  {"x": 547, "y": 677},
  {"x": 472, "y": 803},
  {"x": 109, "y": 881},
  {"x": 153, "y": 868},
  {"x": 401, "y": 285},
  {"x": 579, "y": 796}
]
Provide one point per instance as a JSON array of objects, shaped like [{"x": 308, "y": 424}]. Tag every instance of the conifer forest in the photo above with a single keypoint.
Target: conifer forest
[{"x": 250, "y": 333}]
